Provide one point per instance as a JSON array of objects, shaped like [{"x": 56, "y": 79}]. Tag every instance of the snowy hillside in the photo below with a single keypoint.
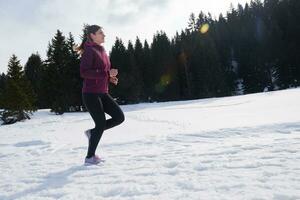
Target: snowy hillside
[{"x": 243, "y": 147}]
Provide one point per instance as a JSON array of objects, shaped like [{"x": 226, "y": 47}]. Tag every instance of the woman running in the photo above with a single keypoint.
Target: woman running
[{"x": 95, "y": 69}]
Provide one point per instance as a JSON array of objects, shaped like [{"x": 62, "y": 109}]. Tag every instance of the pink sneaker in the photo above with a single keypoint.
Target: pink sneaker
[
  {"x": 98, "y": 158},
  {"x": 94, "y": 160}
]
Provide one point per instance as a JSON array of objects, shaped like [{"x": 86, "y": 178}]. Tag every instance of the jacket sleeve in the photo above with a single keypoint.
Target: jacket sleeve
[{"x": 86, "y": 65}]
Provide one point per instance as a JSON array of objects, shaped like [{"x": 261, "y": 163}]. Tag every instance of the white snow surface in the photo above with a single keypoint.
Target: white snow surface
[{"x": 242, "y": 147}]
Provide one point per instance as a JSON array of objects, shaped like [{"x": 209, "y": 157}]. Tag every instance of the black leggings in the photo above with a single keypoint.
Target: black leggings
[{"x": 98, "y": 105}]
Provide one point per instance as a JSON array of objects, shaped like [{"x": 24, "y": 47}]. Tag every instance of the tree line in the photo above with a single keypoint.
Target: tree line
[{"x": 253, "y": 48}]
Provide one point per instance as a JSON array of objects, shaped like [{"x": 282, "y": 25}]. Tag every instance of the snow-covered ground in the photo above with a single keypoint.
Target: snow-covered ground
[{"x": 243, "y": 147}]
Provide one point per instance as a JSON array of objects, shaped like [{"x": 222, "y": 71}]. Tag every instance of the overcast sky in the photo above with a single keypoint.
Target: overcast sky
[{"x": 27, "y": 26}]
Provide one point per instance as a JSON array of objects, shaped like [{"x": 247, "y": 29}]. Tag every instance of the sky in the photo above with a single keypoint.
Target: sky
[{"x": 28, "y": 26}]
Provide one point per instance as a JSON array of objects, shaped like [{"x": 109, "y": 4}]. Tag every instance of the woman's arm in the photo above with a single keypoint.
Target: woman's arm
[{"x": 86, "y": 65}]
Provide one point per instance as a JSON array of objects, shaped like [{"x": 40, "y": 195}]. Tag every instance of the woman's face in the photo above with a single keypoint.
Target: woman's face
[{"x": 98, "y": 37}]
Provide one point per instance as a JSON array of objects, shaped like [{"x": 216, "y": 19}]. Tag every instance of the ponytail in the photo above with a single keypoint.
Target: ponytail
[
  {"x": 87, "y": 30},
  {"x": 80, "y": 48}
]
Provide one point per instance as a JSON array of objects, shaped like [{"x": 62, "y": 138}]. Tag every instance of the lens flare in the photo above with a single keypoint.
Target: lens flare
[
  {"x": 204, "y": 28},
  {"x": 165, "y": 80}
]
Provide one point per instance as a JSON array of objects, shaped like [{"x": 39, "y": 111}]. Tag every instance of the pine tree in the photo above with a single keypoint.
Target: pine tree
[
  {"x": 18, "y": 96},
  {"x": 147, "y": 72},
  {"x": 33, "y": 72},
  {"x": 119, "y": 60},
  {"x": 200, "y": 20},
  {"x": 73, "y": 80},
  {"x": 163, "y": 65},
  {"x": 286, "y": 13},
  {"x": 137, "y": 71},
  {"x": 192, "y": 24},
  {"x": 183, "y": 76},
  {"x": 56, "y": 82},
  {"x": 206, "y": 74},
  {"x": 133, "y": 75},
  {"x": 2, "y": 87}
]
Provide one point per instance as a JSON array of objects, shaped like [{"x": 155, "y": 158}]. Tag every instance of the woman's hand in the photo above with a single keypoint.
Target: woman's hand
[
  {"x": 113, "y": 72},
  {"x": 113, "y": 80}
]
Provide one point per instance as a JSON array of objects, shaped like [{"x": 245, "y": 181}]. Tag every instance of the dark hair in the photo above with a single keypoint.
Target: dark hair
[{"x": 87, "y": 31}]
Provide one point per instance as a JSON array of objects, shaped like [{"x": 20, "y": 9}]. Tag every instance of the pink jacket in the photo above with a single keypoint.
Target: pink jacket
[{"x": 94, "y": 69}]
